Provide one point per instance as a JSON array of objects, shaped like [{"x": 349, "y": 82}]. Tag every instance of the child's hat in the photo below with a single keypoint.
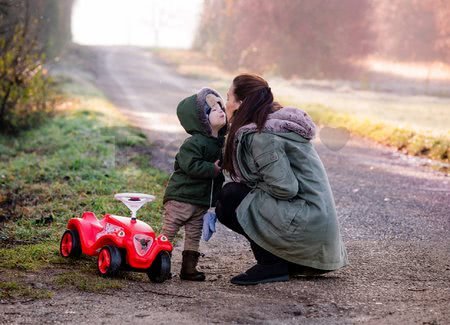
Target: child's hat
[{"x": 211, "y": 101}]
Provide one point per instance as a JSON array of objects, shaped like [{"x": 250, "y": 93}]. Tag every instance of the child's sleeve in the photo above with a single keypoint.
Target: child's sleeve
[{"x": 191, "y": 161}]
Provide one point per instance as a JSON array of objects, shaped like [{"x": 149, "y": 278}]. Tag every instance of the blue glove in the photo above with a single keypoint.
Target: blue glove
[{"x": 209, "y": 225}]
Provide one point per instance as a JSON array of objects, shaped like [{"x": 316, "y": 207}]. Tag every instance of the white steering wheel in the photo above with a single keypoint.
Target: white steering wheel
[{"x": 134, "y": 201}]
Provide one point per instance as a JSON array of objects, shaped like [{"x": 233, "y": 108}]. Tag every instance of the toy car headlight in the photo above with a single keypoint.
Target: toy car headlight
[{"x": 142, "y": 244}]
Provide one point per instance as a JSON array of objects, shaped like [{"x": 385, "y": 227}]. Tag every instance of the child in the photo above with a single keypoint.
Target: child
[{"x": 197, "y": 177}]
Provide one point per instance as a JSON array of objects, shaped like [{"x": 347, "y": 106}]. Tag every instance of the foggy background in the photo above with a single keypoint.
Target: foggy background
[
  {"x": 315, "y": 39},
  {"x": 327, "y": 52}
]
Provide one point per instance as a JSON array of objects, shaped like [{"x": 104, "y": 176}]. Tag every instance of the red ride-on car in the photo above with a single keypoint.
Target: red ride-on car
[{"x": 119, "y": 242}]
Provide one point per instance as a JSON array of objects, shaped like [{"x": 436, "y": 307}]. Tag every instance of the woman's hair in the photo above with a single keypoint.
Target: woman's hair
[{"x": 257, "y": 104}]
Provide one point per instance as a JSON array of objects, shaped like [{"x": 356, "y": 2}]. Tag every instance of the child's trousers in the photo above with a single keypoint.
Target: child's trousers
[{"x": 178, "y": 214}]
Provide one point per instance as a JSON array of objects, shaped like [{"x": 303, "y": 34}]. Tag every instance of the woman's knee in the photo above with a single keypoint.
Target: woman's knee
[
  {"x": 233, "y": 193},
  {"x": 222, "y": 198},
  {"x": 228, "y": 200},
  {"x": 225, "y": 192},
  {"x": 220, "y": 213}
]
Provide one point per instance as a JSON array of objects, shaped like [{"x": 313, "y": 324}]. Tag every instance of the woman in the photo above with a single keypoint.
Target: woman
[{"x": 280, "y": 200}]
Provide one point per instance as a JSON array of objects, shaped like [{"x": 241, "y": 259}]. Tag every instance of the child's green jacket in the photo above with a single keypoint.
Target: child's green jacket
[{"x": 193, "y": 173}]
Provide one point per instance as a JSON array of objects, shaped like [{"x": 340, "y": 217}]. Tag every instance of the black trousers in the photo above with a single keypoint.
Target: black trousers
[{"x": 229, "y": 199}]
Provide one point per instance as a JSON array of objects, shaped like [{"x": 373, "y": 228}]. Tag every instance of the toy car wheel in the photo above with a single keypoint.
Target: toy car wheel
[
  {"x": 109, "y": 260},
  {"x": 159, "y": 271},
  {"x": 70, "y": 244}
]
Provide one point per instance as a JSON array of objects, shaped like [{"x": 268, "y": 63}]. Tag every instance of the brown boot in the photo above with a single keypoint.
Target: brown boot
[{"x": 188, "y": 267}]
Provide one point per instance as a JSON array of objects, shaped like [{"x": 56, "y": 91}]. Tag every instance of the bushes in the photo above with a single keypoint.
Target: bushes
[{"x": 26, "y": 91}]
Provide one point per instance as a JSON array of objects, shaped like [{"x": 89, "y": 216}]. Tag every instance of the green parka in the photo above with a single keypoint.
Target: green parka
[
  {"x": 193, "y": 174},
  {"x": 290, "y": 211}
]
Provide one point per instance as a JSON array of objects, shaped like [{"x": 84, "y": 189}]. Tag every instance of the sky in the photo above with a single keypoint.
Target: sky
[{"x": 160, "y": 23}]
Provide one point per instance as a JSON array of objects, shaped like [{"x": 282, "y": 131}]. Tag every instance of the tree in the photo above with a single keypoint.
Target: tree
[
  {"x": 406, "y": 29},
  {"x": 310, "y": 38},
  {"x": 442, "y": 45}
]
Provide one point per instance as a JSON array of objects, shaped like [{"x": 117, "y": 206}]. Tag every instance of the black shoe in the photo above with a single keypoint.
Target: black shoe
[
  {"x": 296, "y": 270},
  {"x": 263, "y": 274}
]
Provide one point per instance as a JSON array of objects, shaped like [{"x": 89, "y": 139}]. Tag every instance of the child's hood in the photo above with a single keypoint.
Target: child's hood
[{"x": 191, "y": 112}]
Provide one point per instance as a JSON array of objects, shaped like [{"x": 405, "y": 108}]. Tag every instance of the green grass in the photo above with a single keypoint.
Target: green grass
[
  {"x": 87, "y": 281},
  {"x": 75, "y": 162},
  {"x": 410, "y": 141},
  {"x": 29, "y": 257},
  {"x": 82, "y": 274},
  {"x": 14, "y": 290}
]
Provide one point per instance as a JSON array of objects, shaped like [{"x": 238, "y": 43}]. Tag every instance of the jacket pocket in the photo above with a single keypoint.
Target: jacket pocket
[
  {"x": 299, "y": 217},
  {"x": 265, "y": 159},
  {"x": 285, "y": 215}
]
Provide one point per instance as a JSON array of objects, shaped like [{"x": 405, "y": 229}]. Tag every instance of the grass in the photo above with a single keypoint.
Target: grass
[
  {"x": 29, "y": 257},
  {"x": 75, "y": 162},
  {"x": 82, "y": 274},
  {"x": 413, "y": 124},
  {"x": 14, "y": 290},
  {"x": 87, "y": 281},
  {"x": 406, "y": 140}
]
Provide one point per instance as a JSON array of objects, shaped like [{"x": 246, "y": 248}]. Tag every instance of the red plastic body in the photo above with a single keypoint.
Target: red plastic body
[{"x": 122, "y": 232}]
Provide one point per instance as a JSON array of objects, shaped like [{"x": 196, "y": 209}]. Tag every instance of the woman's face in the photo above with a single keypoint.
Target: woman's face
[{"x": 232, "y": 103}]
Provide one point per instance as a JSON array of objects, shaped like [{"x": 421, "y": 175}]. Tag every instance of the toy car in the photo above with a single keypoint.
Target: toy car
[{"x": 119, "y": 242}]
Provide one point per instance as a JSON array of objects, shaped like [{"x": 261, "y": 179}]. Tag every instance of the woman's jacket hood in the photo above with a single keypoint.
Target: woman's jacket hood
[{"x": 286, "y": 119}]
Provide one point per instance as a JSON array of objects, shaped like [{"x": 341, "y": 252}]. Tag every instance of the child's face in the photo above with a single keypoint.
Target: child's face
[{"x": 217, "y": 117}]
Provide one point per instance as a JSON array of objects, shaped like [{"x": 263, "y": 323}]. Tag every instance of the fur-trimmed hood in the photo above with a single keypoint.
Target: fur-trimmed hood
[
  {"x": 286, "y": 119},
  {"x": 192, "y": 112}
]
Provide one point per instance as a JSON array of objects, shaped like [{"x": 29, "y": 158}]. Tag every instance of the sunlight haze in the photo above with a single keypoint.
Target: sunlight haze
[{"x": 159, "y": 23}]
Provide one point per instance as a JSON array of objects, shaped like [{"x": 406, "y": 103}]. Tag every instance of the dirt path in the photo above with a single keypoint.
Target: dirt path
[{"x": 394, "y": 216}]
